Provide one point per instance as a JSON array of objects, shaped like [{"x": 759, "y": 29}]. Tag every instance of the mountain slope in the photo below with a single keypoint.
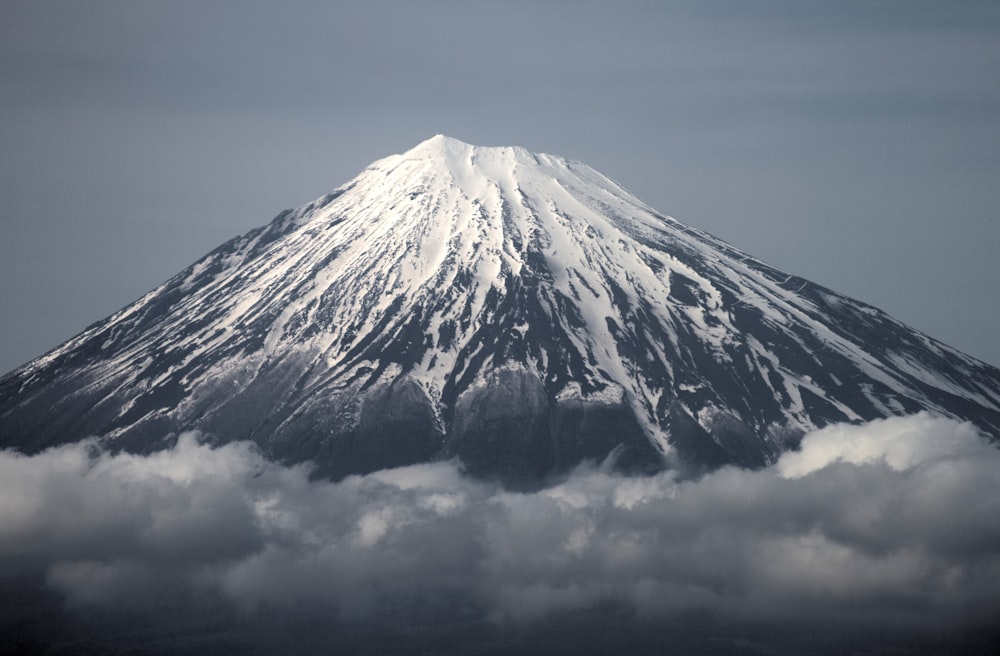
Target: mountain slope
[{"x": 521, "y": 311}]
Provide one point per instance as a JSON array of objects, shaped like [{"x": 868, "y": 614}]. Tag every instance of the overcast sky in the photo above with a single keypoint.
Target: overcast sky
[{"x": 856, "y": 144}]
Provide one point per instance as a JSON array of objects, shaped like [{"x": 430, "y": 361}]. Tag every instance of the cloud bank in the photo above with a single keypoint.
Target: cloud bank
[{"x": 892, "y": 523}]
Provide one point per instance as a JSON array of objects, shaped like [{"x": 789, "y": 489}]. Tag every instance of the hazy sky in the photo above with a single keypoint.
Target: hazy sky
[{"x": 854, "y": 143}]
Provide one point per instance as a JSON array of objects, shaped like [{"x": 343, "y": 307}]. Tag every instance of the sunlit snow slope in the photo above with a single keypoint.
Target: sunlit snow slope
[{"x": 521, "y": 311}]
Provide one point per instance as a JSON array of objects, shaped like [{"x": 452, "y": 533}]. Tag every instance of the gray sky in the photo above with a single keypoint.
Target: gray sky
[{"x": 854, "y": 143}]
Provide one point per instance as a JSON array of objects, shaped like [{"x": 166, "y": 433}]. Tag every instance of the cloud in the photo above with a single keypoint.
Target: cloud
[
  {"x": 900, "y": 443},
  {"x": 892, "y": 523}
]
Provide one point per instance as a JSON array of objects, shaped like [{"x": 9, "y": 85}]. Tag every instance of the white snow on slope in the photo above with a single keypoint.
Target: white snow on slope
[{"x": 420, "y": 246}]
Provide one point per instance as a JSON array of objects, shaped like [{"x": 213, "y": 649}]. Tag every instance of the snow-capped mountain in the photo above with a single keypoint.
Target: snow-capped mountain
[{"x": 521, "y": 311}]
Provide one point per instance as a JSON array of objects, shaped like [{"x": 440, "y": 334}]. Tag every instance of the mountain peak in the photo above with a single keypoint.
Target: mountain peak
[
  {"x": 439, "y": 142},
  {"x": 439, "y": 145},
  {"x": 480, "y": 160},
  {"x": 486, "y": 176},
  {"x": 444, "y": 148}
]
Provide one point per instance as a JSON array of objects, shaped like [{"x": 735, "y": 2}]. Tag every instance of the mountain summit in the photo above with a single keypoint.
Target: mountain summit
[{"x": 520, "y": 311}]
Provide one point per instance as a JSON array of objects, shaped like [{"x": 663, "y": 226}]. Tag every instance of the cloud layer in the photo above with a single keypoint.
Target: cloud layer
[{"x": 893, "y": 523}]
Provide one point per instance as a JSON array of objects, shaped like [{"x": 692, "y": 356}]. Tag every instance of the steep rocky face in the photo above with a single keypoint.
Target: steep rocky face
[{"x": 519, "y": 311}]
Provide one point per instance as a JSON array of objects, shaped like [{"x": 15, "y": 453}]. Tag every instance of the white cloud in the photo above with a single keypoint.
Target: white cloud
[
  {"x": 900, "y": 442},
  {"x": 894, "y": 521}
]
